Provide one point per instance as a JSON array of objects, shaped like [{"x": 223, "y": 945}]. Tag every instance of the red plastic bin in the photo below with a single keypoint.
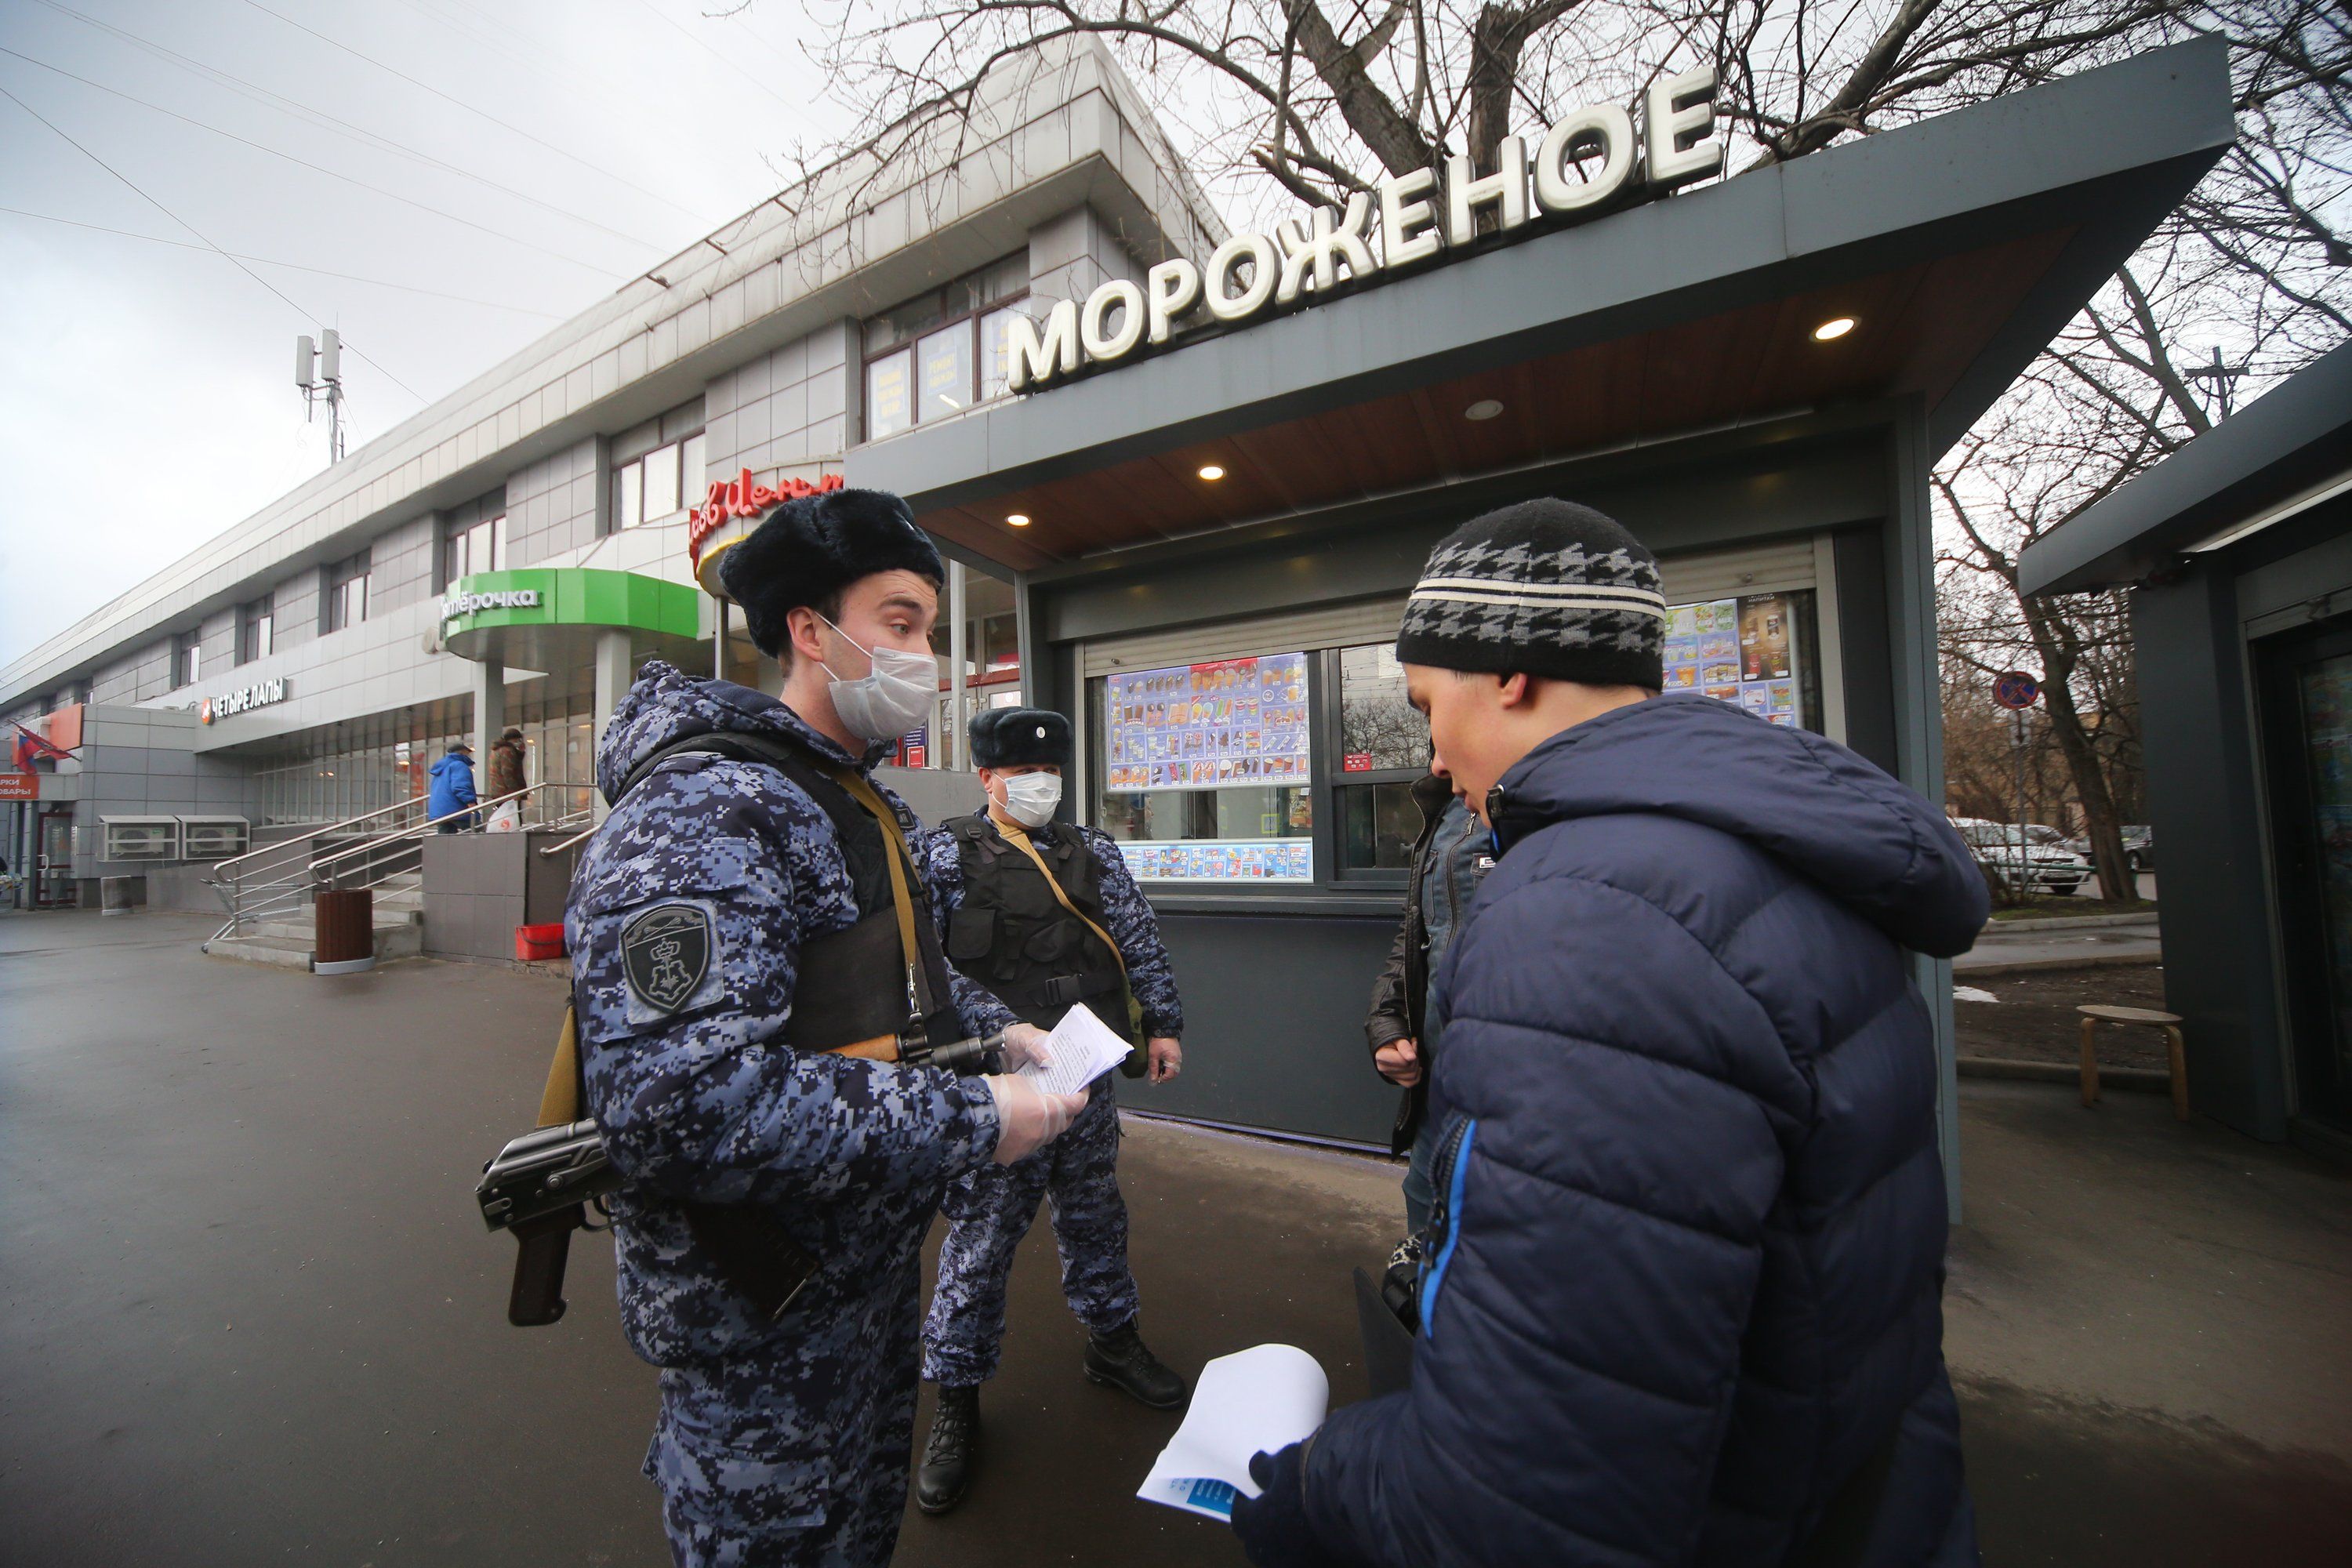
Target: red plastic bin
[{"x": 533, "y": 943}]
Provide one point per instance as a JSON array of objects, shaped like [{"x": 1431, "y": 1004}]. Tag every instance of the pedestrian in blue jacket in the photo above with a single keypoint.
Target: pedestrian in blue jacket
[
  {"x": 1683, "y": 1297},
  {"x": 453, "y": 788}
]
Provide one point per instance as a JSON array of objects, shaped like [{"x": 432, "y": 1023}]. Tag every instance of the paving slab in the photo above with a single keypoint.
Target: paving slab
[{"x": 247, "y": 1312}]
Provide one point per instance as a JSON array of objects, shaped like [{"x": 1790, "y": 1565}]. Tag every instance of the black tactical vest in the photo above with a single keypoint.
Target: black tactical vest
[
  {"x": 1014, "y": 937},
  {"x": 851, "y": 984}
]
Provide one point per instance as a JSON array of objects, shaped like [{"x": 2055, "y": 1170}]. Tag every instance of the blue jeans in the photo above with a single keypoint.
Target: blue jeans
[{"x": 1420, "y": 1192}]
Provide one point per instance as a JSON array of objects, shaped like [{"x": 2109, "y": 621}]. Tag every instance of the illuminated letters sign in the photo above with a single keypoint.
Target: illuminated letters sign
[
  {"x": 260, "y": 695},
  {"x": 1420, "y": 216},
  {"x": 456, "y": 604}
]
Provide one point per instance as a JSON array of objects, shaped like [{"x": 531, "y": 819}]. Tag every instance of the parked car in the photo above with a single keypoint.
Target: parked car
[
  {"x": 2139, "y": 846},
  {"x": 2031, "y": 865}
]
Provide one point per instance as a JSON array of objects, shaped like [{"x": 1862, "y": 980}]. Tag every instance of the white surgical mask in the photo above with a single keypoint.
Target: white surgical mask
[
  {"x": 1032, "y": 797},
  {"x": 892, "y": 697}
]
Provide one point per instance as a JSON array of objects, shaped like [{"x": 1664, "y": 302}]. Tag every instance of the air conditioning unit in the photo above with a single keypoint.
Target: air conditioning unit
[
  {"x": 139, "y": 837},
  {"x": 213, "y": 838}
]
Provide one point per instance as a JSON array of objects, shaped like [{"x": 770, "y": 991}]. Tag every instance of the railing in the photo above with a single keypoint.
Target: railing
[
  {"x": 390, "y": 854},
  {"x": 275, "y": 880},
  {"x": 279, "y": 879}
]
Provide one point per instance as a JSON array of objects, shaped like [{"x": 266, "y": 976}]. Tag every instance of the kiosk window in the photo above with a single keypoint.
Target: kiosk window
[
  {"x": 1205, "y": 772},
  {"x": 1758, "y": 650},
  {"x": 1383, "y": 747}
]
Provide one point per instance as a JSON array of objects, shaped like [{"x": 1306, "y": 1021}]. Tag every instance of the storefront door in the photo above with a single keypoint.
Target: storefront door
[
  {"x": 53, "y": 886},
  {"x": 2306, "y": 716}
]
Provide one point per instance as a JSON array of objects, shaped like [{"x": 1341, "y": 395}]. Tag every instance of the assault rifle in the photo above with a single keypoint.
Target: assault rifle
[{"x": 540, "y": 1187}]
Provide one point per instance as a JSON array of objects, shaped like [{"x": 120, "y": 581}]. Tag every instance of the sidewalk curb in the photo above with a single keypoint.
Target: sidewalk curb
[
  {"x": 1962, "y": 969},
  {"x": 2070, "y": 922},
  {"x": 2152, "y": 1081}
]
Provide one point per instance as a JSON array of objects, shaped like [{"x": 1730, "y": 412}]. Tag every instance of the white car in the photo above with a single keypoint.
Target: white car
[{"x": 2035, "y": 867}]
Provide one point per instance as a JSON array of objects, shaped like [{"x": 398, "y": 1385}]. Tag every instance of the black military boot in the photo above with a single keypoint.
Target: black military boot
[
  {"x": 949, "y": 1453},
  {"x": 1120, "y": 1359}
]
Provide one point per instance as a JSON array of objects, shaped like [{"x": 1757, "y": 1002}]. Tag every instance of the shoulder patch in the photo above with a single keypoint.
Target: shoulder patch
[{"x": 664, "y": 953}]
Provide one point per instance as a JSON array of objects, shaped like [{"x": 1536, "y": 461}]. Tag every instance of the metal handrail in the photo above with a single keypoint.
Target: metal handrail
[
  {"x": 424, "y": 829},
  {"x": 314, "y": 833}
]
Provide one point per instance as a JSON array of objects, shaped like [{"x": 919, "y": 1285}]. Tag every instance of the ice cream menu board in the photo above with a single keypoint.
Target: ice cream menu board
[
  {"x": 1219, "y": 861},
  {"x": 1737, "y": 651},
  {"x": 1208, "y": 726}
]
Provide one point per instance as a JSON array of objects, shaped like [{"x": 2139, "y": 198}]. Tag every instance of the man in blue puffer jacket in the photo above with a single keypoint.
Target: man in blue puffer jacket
[{"x": 1683, "y": 1297}]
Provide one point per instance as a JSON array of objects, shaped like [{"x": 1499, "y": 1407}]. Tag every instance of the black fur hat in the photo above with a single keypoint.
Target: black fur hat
[
  {"x": 1016, "y": 737},
  {"x": 809, "y": 549}
]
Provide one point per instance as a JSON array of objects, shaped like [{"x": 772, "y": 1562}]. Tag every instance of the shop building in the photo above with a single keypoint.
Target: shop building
[
  {"x": 512, "y": 553},
  {"x": 2238, "y": 551},
  {"x": 1198, "y": 472}
]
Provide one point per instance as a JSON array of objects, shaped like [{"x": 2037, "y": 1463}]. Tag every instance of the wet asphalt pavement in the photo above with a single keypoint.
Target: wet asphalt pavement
[{"x": 247, "y": 1313}]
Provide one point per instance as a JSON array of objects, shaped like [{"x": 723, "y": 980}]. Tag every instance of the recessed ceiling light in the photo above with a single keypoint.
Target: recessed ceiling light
[
  {"x": 1018, "y": 519},
  {"x": 1210, "y": 471},
  {"x": 1836, "y": 327},
  {"x": 1485, "y": 409}
]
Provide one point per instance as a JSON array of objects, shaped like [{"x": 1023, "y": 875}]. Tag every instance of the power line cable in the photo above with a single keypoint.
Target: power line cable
[
  {"x": 705, "y": 47},
  {"x": 324, "y": 120},
  {"x": 296, "y": 266},
  {"x": 452, "y": 98},
  {"x": 305, "y": 163},
  {"x": 192, "y": 228}
]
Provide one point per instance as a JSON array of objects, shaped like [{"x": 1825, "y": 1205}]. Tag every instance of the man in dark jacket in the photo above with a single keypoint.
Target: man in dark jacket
[
  {"x": 1683, "y": 1299},
  {"x": 1453, "y": 852},
  {"x": 506, "y": 763}
]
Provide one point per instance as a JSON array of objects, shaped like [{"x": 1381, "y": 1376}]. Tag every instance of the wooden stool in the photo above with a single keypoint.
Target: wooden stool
[{"x": 2094, "y": 1015}]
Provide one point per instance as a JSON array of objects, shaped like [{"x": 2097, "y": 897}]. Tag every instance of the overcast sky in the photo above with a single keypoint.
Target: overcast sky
[{"x": 147, "y": 400}]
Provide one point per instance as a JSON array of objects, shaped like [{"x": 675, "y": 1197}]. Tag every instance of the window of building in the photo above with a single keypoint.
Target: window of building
[
  {"x": 474, "y": 538},
  {"x": 346, "y": 593},
  {"x": 658, "y": 470},
  {"x": 1206, "y": 768},
  {"x": 943, "y": 352},
  {"x": 1284, "y": 749},
  {"x": 256, "y": 630},
  {"x": 187, "y": 659}
]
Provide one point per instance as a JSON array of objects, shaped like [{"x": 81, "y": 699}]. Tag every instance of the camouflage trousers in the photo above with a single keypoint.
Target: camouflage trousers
[
  {"x": 990, "y": 1209},
  {"x": 734, "y": 1493}
]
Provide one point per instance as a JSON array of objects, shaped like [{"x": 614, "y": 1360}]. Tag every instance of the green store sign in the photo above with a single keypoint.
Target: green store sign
[{"x": 549, "y": 615}]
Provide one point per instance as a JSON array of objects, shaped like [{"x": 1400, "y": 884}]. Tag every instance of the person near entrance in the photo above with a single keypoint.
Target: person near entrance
[
  {"x": 753, "y": 959},
  {"x": 1452, "y": 853},
  {"x": 1046, "y": 915},
  {"x": 1683, "y": 1303},
  {"x": 453, "y": 789}
]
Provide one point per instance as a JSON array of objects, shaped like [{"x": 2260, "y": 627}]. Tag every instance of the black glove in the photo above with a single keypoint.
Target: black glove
[{"x": 1273, "y": 1525}]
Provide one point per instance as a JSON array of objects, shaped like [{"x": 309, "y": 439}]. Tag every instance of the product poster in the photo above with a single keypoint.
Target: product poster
[
  {"x": 1219, "y": 861},
  {"x": 1236, "y": 721},
  {"x": 1741, "y": 651}
]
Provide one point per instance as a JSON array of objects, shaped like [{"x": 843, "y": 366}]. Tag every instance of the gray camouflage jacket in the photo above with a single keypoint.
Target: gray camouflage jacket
[{"x": 686, "y": 917}]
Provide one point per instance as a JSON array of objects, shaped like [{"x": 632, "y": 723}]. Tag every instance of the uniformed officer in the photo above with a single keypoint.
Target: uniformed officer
[
  {"x": 1045, "y": 915},
  {"x": 742, "y": 918}
]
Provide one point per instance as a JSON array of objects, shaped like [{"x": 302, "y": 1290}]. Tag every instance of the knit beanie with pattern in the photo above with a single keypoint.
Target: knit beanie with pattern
[{"x": 1542, "y": 587}]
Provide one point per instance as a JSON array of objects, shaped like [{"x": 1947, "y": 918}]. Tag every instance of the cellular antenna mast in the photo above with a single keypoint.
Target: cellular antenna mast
[{"x": 318, "y": 372}]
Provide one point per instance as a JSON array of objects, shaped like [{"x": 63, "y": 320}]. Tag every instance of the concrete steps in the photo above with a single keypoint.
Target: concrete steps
[{"x": 399, "y": 931}]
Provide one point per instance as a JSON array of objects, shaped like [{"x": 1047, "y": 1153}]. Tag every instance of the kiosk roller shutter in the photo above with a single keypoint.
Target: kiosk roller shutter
[
  {"x": 1786, "y": 565},
  {"x": 1336, "y": 626}
]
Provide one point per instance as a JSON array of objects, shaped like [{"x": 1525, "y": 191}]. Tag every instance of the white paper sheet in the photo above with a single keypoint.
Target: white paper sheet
[
  {"x": 1083, "y": 1048},
  {"x": 1259, "y": 1400}
]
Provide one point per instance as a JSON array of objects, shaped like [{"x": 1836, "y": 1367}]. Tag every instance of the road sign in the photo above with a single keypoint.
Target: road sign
[{"x": 2015, "y": 689}]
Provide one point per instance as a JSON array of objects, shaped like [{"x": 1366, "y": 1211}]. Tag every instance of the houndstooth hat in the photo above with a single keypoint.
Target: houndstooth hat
[{"x": 1544, "y": 588}]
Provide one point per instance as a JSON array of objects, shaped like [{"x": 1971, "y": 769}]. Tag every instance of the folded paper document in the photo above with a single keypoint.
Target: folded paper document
[
  {"x": 1254, "y": 1401},
  {"x": 1082, "y": 1049}
]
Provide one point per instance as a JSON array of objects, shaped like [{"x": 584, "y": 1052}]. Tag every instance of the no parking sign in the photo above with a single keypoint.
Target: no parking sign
[{"x": 2015, "y": 689}]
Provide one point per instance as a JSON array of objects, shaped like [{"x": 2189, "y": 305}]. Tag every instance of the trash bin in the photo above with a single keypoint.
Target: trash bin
[
  {"x": 114, "y": 895},
  {"x": 344, "y": 938}
]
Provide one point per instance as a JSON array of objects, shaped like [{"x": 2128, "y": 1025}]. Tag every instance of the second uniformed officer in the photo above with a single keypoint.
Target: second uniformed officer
[
  {"x": 753, "y": 957},
  {"x": 1046, "y": 916}
]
